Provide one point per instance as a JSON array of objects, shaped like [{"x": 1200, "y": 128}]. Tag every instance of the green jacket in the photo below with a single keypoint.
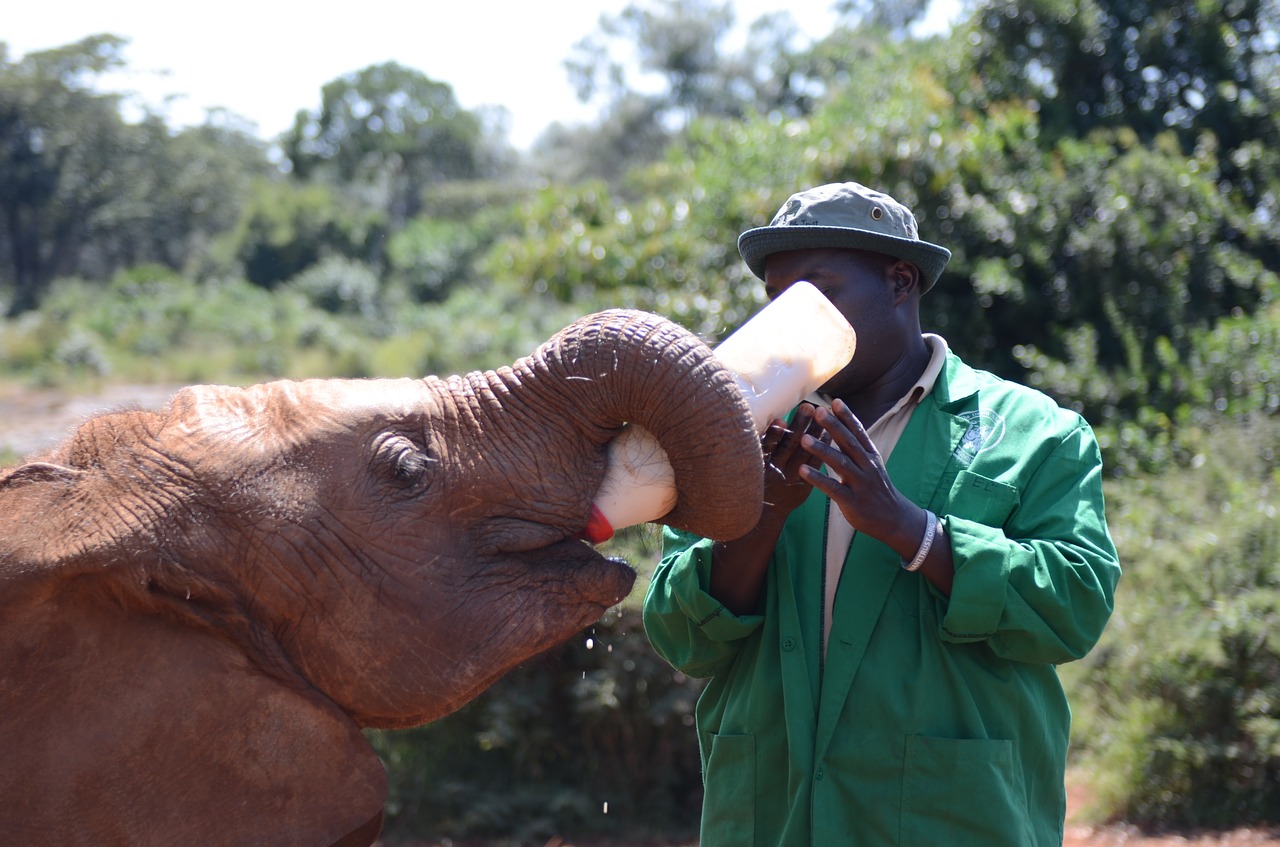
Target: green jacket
[{"x": 931, "y": 720}]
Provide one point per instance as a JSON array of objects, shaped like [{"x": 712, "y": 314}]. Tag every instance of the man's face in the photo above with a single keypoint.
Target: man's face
[{"x": 862, "y": 287}]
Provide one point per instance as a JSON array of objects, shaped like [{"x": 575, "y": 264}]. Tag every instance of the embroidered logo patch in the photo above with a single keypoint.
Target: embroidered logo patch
[{"x": 985, "y": 431}]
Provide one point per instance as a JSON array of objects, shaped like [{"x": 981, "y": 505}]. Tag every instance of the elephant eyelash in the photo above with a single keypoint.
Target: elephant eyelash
[
  {"x": 408, "y": 462},
  {"x": 412, "y": 466}
]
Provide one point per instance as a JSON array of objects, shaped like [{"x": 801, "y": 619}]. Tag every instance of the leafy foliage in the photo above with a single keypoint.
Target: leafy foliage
[
  {"x": 286, "y": 228},
  {"x": 60, "y": 142},
  {"x": 339, "y": 286},
  {"x": 1149, "y": 68},
  {"x": 84, "y": 193},
  {"x": 429, "y": 256},
  {"x": 688, "y": 74},
  {"x": 1182, "y": 722},
  {"x": 390, "y": 130}
]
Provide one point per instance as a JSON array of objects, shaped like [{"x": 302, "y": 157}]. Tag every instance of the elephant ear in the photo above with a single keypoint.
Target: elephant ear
[
  {"x": 34, "y": 507},
  {"x": 85, "y": 501},
  {"x": 36, "y": 472}
]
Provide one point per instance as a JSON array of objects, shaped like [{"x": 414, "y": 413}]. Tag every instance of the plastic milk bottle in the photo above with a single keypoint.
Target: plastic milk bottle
[{"x": 786, "y": 351}]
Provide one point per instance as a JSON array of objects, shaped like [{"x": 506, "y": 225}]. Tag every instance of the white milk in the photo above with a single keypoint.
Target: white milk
[{"x": 790, "y": 348}]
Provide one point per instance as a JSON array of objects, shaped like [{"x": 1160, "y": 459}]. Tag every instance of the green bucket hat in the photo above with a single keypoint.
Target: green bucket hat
[{"x": 844, "y": 215}]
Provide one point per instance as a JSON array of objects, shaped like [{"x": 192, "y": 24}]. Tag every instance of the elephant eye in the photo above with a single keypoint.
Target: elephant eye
[{"x": 405, "y": 462}]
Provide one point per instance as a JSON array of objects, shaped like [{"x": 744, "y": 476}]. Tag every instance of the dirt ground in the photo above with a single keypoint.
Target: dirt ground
[
  {"x": 36, "y": 419},
  {"x": 1077, "y": 834},
  {"x": 1081, "y": 835}
]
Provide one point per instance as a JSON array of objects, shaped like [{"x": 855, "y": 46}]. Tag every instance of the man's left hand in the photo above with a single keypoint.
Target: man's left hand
[{"x": 859, "y": 484}]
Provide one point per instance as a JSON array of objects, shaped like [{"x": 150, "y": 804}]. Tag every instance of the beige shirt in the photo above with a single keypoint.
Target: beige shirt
[{"x": 884, "y": 433}]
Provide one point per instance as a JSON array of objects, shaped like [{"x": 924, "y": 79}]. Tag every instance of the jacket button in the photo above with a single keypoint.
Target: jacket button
[
  {"x": 818, "y": 775},
  {"x": 788, "y": 644}
]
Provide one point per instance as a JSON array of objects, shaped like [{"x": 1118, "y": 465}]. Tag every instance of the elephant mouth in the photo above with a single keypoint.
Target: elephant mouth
[
  {"x": 585, "y": 577},
  {"x": 565, "y": 576}
]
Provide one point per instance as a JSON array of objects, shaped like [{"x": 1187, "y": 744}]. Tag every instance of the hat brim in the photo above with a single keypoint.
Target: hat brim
[{"x": 755, "y": 245}]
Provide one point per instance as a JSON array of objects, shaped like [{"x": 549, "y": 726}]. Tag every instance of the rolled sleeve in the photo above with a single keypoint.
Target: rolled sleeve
[
  {"x": 687, "y": 626},
  {"x": 977, "y": 602}
]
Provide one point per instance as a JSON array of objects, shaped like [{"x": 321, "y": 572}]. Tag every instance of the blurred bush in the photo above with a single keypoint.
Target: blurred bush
[
  {"x": 334, "y": 319},
  {"x": 339, "y": 286},
  {"x": 430, "y": 256},
  {"x": 1178, "y": 709}
]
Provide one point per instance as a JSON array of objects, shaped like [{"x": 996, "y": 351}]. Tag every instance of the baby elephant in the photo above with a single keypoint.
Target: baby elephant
[{"x": 201, "y": 606}]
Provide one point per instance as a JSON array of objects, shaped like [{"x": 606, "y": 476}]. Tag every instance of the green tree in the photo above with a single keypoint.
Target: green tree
[
  {"x": 1176, "y": 707},
  {"x": 1185, "y": 67},
  {"x": 210, "y": 170},
  {"x": 682, "y": 45},
  {"x": 894, "y": 16},
  {"x": 1085, "y": 263},
  {"x": 1120, "y": 193},
  {"x": 430, "y": 256},
  {"x": 187, "y": 188},
  {"x": 59, "y": 143},
  {"x": 679, "y": 40},
  {"x": 629, "y": 132},
  {"x": 84, "y": 192},
  {"x": 287, "y": 227},
  {"x": 390, "y": 132}
]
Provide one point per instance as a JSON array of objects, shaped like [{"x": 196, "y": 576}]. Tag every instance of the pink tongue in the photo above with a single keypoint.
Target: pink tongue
[{"x": 598, "y": 530}]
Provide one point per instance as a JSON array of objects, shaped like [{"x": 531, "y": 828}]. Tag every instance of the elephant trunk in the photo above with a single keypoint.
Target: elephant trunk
[{"x": 638, "y": 369}]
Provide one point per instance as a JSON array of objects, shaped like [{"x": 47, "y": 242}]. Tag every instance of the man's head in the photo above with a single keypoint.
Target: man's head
[
  {"x": 844, "y": 215},
  {"x": 860, "y": 248}
]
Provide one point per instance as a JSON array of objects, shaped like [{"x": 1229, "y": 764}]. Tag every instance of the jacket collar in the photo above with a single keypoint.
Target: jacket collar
[{"x": 957, "y": 385}]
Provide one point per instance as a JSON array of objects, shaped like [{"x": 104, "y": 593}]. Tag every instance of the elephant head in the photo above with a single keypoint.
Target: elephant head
[{"x": 202, "y": 606}]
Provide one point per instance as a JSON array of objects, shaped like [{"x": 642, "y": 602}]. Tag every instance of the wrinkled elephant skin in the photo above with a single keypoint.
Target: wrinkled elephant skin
[{"x": 202, "y": 606}]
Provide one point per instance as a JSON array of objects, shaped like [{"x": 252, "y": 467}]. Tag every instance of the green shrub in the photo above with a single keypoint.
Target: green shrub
[
  {"x": 24, "y": 343},
  {"x": 146, "y": 310},
  {"x": 81, "y": 353},
  {"x": 479, "y": 328},
  {"x": 429, "y": 257},
  {"x": 288, "y": 226},
  {"x": 339, "y": 286},
  {"x": 1179, "y": 712}
]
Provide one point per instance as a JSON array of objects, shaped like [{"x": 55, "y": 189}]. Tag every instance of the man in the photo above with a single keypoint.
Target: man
[{"x": 881, "y": 647}]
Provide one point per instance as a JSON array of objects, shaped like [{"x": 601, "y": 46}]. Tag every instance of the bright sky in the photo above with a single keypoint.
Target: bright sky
[{"x": 265, "y": 59}]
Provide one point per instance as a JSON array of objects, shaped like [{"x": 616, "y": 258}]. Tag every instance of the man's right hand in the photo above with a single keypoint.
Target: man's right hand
[
  {"x": 784, "y": 488},
  {"x": 738, "y": 567}
]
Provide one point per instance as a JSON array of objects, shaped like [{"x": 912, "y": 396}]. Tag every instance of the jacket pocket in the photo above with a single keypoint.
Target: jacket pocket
[
  {"x": 728, "y": 812},
  {"x": 963, "y": 793},
  {"x": 986, "y": 501}
]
